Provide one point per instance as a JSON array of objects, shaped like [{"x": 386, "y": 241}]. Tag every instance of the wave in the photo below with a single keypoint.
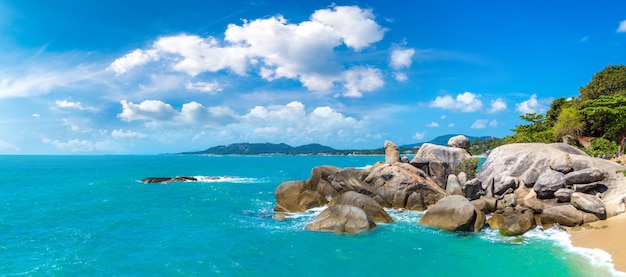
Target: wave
[{"x": 227, "y": 179}]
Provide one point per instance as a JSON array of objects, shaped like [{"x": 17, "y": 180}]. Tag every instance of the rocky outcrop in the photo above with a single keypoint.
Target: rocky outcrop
[
  {"x": 165, "y": 180},
  {"x": 453, "y": 213},
  {"x": 459, "y": 141},
  {"x": 392, "y": 155},
  {"x": 368, "y": 204},
  {"x": 566, "y": 215},
  {"x": 452, "y": 156},
  {"x": 341, "y": 219}
]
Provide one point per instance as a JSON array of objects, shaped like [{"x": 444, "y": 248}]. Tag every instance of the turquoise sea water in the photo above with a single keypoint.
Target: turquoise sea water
[{"x": 91, "y": 216}]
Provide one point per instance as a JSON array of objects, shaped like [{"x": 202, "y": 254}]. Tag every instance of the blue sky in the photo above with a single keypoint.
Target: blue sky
[{"x": 145, "y": 77}]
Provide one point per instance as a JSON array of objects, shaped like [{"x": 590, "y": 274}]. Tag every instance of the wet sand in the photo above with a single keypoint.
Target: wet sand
[{"x": 608, "y": 235}]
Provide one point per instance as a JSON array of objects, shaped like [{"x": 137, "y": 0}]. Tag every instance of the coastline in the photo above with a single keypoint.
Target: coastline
[{"x": 607, "y": 235}]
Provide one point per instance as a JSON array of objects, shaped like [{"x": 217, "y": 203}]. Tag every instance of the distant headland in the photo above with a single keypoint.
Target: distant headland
[{"x": 314, "y": 148}]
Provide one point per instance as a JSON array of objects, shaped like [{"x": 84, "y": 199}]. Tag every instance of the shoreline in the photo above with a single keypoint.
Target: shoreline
[{"x": 607, "y": 235}]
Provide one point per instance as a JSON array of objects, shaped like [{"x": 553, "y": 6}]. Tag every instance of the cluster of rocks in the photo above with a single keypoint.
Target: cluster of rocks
[
  {"x": 519, "y": 186},
  {"x": 166, "y": 180}
]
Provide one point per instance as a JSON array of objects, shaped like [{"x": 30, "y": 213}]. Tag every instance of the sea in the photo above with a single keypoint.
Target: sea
[{"x": 92, "y": 216}]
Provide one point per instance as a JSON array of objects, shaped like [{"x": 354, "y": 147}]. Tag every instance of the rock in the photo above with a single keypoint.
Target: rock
[
  {"x": 473, "y": 189},
  {"x": 534, "y": 204},
  {"x": 548, "y": 183},
  {"x": 459, "y": 141},
  {"x": 439, "y": 171},
  {"x": 495, "y": 221},
  {"x": 479, "y": 222},
  {"x": 404, "y": 186},
  {"x": 293, "y": 196},
  {"x": 368, "y": 204},
  {"x": 519, "y": 160},
  {"x": 481, "y": 205},
  {"x": 562, "y": 164},
  {"x": 452, "y": 213},
  {"x": 530, "y": 177},
  {"x": 584, "y": 187},
  {"x": 518, "y": 225},
  {"x": 564, "y": 195},
  {"x": 404, "y": 159},
  {"x": 341, "y": 219},
  {"x": 492, "y": 202},
  {"x": 392, "y": 155},
  {"x": 453, "y": 187},
  {"x": 462, "y": 176},
  {"x": 584, "y": 176},
  {"x": 452, "y": 156},
  {"x": 566, "y": 215},
  {"x": 507, "y": 200},
  {"x": 588, "y": 203},
  {"x": 505, "y": 183},
  {"x": 158, "y": 180}
]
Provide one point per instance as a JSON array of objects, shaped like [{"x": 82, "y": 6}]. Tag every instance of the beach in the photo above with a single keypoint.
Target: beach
[{"x": 608, "y": 235}]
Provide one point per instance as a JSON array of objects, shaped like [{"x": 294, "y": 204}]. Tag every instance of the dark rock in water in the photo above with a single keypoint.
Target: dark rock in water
[
  {"x": 548, "y": 183},
  {"x": 566, "y": 215},
  {"x": 341, "y": 219},
  {"x": 452, "y": 213},
  {"x": 368, "y": 204},
  {"x": 518, "y": 225},
  {"x": 158, "y": 180}
]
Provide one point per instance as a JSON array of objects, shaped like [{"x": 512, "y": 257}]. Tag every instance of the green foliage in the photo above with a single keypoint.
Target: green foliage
[
  {"x": 569, "y": 123},
  {"x": 607, "y": 117},
  {"x": 469, "y": 166},
  {"x": 480, "y": 146},
  {"x": 555, "y": 109},
  {"x": 538, "y": 130},
  {"x": 610, "y": 81},
  {"x": 601, "y": 147}
]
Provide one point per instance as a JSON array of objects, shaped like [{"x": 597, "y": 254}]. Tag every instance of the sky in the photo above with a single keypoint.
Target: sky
[{"x": 151, "y": 77}]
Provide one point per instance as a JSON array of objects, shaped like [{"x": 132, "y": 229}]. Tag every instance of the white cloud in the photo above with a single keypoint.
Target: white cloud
[
  {"x": 36, "y": 115},
  {"x": 401, "y": 58},
  {"x": 401, "y": 77},
  {"x": 622, "y": 27},
  {"x": 480, "y": 124},
  {"x": 275, "y": 49},
  {"x": 72, "y": 105},
  {"x": 432, "y": 125},
  {"x": 419, "y": 136},
  {"x": 6, "y": 147},
  {"x": 450, "y": 125},
  {"x": 155, "y": 112},
  {"x": 360, "y": 79},
  {"x": 78, "y": 145},
  {"x": 497, "y": 105},
  {"x": 121, "y": 134},
  {"x": 211, "y": 88},
  {"x": 533, "y": 105},
  {"x": 465, "y": 102},
  {"x": 493, "y": 123},
  {"x": 133, "y": 59}
]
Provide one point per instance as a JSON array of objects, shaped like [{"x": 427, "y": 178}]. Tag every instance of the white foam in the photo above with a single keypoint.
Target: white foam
[{"x": 226, "y": 179}]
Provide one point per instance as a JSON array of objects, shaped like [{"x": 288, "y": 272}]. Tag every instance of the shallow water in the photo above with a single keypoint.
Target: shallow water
[{"x": 91, "y": 215}]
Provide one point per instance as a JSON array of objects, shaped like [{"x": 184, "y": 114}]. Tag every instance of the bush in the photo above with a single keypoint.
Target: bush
[{"x": 601, "y": 147}]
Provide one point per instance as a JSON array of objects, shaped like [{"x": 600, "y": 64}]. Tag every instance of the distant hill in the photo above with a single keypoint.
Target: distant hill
[
  {"x": 441, "y": 140},
  {"x": 264, "y": 148}
]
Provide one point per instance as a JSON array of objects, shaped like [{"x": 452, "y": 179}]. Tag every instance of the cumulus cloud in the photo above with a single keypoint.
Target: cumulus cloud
[
  {"x": 155, "y": 112},
  {"x": 419, "y": 136},
  {"x": 533, "y": 105},
  {"x": 465, "y": 102},
  {"x": 432, "y": 125},
  {"x": 401, "y": 58},
  {"x": 480, "y": 124},
  {"x": 208, "y": 87},
  {"x": 275, "y": 48},
  {"x": 128, "y": 134},
  {"x": 622, "y": 27},
  {"x": 72, "y": 105},
  {"x": 497, "y": 105}
]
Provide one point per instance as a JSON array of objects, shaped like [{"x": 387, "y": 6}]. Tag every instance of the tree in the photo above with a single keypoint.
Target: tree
[
  {"x": 607, "y": 118},
  {"x": 569, "y": 123},
  {"x": 555, "y": 109},
  {"x": 611, "y": 80},
  {"x": 538, "y": 130}
]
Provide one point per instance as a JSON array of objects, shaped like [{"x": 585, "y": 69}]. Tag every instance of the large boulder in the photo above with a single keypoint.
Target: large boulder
[
  {"x": 459, "y": 141},
  {"x": 548, "y": 183},
  {"x": 341, "y": 219},
  {"x": 473, "y": 189},
  {"x": 518, "y": 224},
  {"x": 584, "y": 176},
  {"x": 453, "y": 187},
  {"x": 294, "y": 196},
  {"x": 452, "y": 213},
  {"x": 392, "y": 155},
  {"x": 523, "y": 160},
  {"x": 404, "y": 186},
  {"x": 566, "y": 215},
  {"x": 453, "y": 156},
  {"x": 588, "y": 203},
  {"x": 368, "y": 204}
]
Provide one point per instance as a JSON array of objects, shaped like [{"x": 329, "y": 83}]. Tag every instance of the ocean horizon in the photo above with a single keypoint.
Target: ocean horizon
[{"x": 92, "y": 216}]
